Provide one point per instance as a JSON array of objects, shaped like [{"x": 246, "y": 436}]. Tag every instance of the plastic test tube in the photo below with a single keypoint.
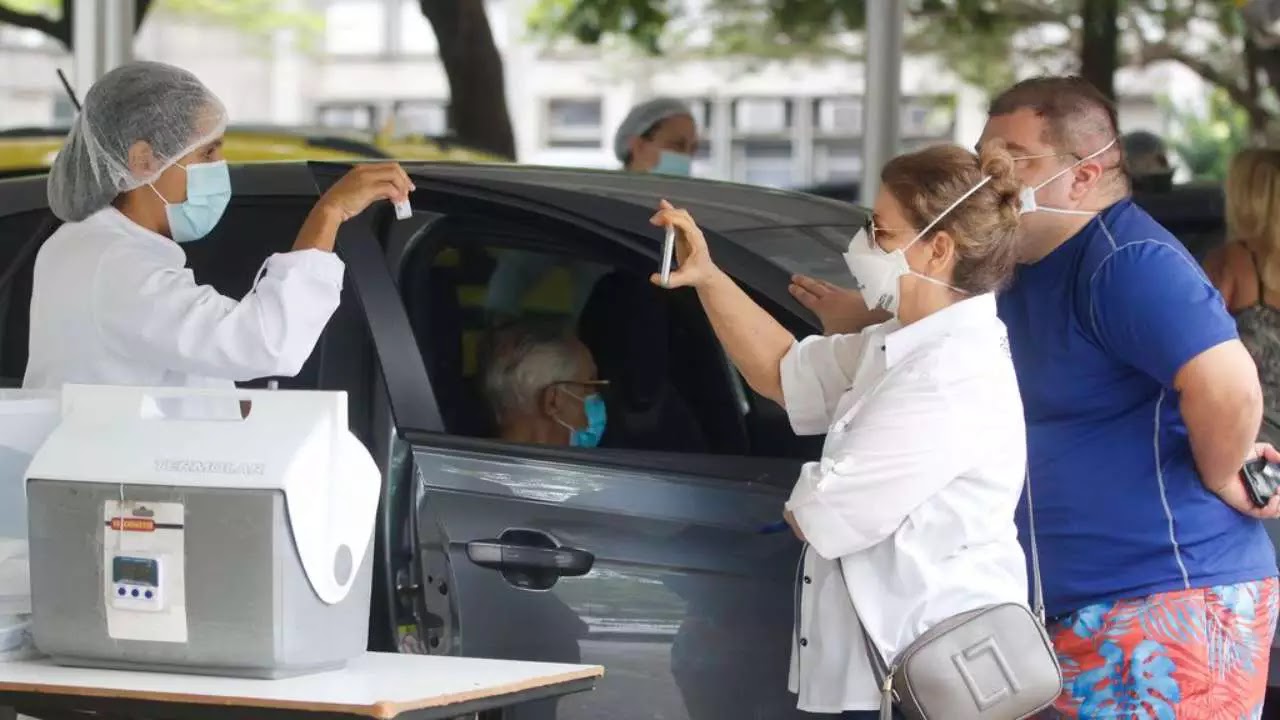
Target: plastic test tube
[{"x": 404, "y": 210}]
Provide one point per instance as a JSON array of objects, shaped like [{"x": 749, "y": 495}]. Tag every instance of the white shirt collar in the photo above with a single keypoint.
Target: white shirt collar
[
  {"x": 170, "y": 250},
  {"x": 901, "y": 342}
]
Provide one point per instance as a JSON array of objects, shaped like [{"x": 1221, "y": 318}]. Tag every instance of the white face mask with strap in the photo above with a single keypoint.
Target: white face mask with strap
[
  {"x": 877, "y": 273},
  {"x": 1027, "y": 196}
]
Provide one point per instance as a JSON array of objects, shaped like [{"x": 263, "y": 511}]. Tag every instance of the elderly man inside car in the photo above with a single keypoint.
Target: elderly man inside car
[{"x": 541, "y": 384}]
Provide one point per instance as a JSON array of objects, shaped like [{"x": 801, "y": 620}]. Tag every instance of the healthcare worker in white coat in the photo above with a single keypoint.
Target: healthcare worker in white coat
[
  {"x": 925, "y": 452},
  {"x": 140, "y": 175}
]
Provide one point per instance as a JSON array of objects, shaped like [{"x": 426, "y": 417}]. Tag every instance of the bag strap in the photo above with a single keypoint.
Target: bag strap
[
  {"x": 883, "y": 673},
  {"x": 1037, "y": 589}
]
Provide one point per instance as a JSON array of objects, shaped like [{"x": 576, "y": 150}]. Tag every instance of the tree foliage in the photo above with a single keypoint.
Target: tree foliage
[
  {"x": 1206, "y": 140},
  {"x": 985, "y": 42},
  {"x": 256, "y": 17}
]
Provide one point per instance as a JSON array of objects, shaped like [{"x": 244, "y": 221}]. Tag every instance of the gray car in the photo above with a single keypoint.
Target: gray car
[{"x": 644, "y": 555}]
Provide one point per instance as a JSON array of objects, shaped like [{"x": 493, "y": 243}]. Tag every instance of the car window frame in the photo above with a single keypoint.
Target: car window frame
[{"x": 768, "y": 472}]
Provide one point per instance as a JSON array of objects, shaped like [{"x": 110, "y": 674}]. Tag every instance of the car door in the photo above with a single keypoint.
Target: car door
[{"x": 650, "y": 564}]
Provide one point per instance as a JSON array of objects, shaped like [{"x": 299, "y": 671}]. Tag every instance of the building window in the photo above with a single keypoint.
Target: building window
[
  {"x": 417, "y": 37},
  {"x": 761, "y": 116},
  {"x": 703, "y": 165},
  {"x": 348, "y": 116},
  {"x": 835, "y": 162},
  {"x": 764, "y": 163},
  {"x": 927, "y": 117},
  {"x": 355, "y": 27},
  {"x": 422, "y": 117},
  {"x": 700, "y": 108},
  {"x": 574, "y": 123},
  {"x": 841, "y": 117}
]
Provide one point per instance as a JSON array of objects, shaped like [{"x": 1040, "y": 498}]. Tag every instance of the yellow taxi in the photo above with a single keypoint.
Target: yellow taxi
[{"x": 28, "y": 150}]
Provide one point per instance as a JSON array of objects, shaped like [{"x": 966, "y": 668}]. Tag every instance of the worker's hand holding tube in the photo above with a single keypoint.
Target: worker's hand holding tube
[{"x": 363, "y": 185}]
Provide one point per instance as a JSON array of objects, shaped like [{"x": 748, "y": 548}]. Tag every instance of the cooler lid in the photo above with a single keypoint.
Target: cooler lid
[{"x": 296, "y": 442}]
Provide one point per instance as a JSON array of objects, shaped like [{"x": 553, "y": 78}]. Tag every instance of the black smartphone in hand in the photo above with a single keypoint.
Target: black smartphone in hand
[{"x": 1262, "y": 480}]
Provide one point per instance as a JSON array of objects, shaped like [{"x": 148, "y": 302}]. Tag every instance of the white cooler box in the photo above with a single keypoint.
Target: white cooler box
[
  {"x": 26, "y": 419},
  {"x": 175, "y": 543}
]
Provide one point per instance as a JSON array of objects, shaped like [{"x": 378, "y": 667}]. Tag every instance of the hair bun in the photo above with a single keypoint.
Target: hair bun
[{"x": 997, "y": 163}]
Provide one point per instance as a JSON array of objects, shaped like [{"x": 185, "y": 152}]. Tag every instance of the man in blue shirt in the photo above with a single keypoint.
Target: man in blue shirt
[{"x": 1141, "y": 407}]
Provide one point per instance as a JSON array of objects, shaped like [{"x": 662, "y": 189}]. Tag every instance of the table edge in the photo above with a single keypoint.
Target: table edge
[{"x": 381, "y": 710}]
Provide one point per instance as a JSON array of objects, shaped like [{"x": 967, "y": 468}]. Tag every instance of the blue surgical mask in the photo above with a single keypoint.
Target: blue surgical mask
[
  {"x": 597, "y": 418},
  {"x": 208, "y": 193},
  {"x": 673, "y": 163}
]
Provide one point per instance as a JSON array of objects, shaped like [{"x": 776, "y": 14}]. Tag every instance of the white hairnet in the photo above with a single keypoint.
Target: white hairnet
[
  {"x": 641, "y": 120},
  {"x": 165, "y": 107}
]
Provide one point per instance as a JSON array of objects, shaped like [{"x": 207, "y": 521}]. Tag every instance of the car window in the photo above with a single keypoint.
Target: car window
[
  {"x": 469, "y": 281},
  {"x": 15, "y": 296}
]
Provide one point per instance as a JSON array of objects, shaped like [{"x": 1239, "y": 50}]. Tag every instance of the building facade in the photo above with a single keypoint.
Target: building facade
[{"x": 784, "y": 124}]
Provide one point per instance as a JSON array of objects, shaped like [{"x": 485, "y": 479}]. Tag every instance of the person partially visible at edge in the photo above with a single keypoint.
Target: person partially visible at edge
[
  {"x": 909, "y": 513},
  {"x": 1246, "y": 270},
  {"x": 1146, "y": 161},
  {"x": 140, "y": 175},
  {"x": 1142, "y": 404},
  {"x": 658, "y": 136}
]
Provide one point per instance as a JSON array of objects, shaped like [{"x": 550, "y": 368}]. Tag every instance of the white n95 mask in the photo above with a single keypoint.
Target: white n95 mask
[
  {"x": 877, "y": 273},
  {"x": 1027, "y": 196}
]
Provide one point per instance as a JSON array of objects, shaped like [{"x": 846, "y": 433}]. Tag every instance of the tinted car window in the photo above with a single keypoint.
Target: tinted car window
[{"x": 15, "y": 297}]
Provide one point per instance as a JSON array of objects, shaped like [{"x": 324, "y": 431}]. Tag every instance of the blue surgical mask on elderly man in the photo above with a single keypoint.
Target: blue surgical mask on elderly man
[{"x": 597, "y": 419}]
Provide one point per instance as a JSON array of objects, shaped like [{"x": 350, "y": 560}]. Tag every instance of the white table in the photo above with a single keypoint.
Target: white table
[{"x": 376, "y": 686}]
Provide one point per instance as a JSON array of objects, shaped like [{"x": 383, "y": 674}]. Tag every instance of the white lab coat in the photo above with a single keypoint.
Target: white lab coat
[
  {"x": 915, "y": 492},
  {"x": 113, "y": 303}
]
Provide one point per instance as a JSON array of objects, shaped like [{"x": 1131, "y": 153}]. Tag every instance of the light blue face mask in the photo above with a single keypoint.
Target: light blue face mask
[
  {"x": 597, "y": 419},
  {"x": 208, "y": 193},
  {"x": 673, "y": 163}
]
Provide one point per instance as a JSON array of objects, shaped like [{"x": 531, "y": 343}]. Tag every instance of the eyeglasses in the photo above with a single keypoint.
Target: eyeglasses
[
  {"x": 590, "y": 384},
  {"x": 873, "y": 229}
]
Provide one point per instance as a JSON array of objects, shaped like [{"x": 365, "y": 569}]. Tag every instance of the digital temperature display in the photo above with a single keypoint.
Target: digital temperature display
[{"x": 135, "y": 571}]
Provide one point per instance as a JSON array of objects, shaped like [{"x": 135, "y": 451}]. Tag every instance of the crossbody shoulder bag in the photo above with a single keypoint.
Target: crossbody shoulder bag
[{"x": 991, "y": 663}]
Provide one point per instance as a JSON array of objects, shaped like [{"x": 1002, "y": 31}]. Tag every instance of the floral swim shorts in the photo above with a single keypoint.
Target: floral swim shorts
[{"x": 1185, "y": 655}]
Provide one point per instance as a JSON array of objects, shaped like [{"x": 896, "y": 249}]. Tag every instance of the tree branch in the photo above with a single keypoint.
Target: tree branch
[
  {"x": 1155, "y": 52},
  {"x": 35, "y": 21}
]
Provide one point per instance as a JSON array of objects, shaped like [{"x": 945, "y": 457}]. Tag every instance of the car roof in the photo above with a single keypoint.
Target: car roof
[
  {"x": 796, "y": 232},
  {"x": 793, "y": 232}
]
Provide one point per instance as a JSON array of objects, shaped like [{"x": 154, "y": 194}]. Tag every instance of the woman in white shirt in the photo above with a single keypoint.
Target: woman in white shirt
[{"x": 925, "y": 452}]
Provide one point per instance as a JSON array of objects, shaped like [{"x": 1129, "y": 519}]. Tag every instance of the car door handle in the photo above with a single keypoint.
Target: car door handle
[
  {"x": 530, "y": 559},
  {"x": 497, "y": 555}
]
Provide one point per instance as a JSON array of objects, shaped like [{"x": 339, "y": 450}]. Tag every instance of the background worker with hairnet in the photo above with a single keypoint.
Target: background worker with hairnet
[
  {"x": 657, "y": 136},
  {"x": 113, "y": 302}
]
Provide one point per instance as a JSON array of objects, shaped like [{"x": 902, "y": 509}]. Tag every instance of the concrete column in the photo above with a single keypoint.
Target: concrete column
[
  {"x": 721, "y": 132},
  {"x": 882, "y": 101},
  {"x": 802, "y": 134},
  {"x": 288, "y": 76},
  {"x": 102, "y": 34}
]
